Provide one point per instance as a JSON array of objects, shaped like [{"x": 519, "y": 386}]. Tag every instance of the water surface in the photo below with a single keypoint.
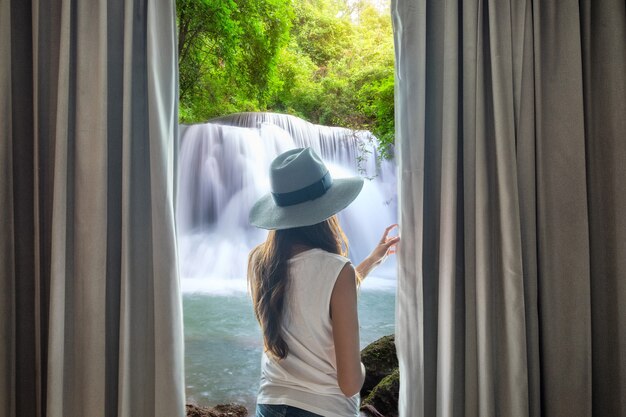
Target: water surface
[{"x": 223, "y": 342}]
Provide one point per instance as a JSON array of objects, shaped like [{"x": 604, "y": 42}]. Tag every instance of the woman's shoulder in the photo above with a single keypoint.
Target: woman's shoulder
[{"x": 320, "y": 255}]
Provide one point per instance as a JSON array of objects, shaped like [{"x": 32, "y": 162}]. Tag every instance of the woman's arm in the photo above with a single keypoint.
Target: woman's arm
[
  {"x": 385, "y": 247},
  {"x": 343, "y": 311}
]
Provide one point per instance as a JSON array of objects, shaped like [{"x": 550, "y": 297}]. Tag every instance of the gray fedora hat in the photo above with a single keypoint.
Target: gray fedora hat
[{"x": 303, "y": 192}]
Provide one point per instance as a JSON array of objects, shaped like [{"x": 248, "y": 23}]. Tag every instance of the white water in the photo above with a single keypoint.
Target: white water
[{"x": 223, "y": 170}]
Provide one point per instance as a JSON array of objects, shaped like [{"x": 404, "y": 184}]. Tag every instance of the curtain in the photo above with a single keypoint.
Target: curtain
[
  {"x": 90, "y": 307},
  {"x": 511, "y": 142}
]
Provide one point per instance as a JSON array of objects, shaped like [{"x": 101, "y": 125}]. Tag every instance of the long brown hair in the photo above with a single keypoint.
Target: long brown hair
[{"x": 268, "y": 273}]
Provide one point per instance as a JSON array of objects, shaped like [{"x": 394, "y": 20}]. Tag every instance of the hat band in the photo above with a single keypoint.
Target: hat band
[{"x": 311, "y": 192}]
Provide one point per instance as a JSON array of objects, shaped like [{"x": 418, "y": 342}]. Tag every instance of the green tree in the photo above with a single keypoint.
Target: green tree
[
  {"x": 227, "y": 54},
  {"x": 340, "y": 67},
  {"x": 374, "y": 74},
  {"x": 327, "y": 61}
]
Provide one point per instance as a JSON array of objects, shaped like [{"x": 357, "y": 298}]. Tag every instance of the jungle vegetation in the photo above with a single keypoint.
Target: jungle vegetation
[{"x": 328, "y": 61}]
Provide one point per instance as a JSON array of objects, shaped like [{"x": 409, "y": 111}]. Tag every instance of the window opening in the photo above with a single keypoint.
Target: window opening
[{"x": 329, "y": 62}]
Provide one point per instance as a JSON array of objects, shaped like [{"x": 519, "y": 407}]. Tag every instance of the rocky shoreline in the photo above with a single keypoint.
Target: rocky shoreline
[
  {"x": 379, "y": 395},
  {"x": 222, "y": 410}
]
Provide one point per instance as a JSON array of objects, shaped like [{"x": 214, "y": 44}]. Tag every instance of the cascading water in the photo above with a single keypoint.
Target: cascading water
[{"x": 223, "y": 169}]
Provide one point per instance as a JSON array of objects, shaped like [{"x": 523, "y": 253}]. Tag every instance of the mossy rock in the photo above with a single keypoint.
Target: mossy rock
[
  {"x": 222, "y": 410},
  {"x": 383, "y": 400},
  {"x": 380, "y": 360}
]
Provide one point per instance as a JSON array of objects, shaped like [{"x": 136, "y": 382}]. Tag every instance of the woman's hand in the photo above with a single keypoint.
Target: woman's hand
[{"x": 386, "y": 246}]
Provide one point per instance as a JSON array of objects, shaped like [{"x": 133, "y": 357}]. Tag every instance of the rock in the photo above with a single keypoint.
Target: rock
[
  {"x": 383, "y": 399},
  {"x": 381, "y": 386},
  {"x": 222, "y": 410},
  {"x": 380, "y": 360}
]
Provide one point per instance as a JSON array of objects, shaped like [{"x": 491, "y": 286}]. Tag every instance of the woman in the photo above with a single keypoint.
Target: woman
[{"x": 304, "y": 291}]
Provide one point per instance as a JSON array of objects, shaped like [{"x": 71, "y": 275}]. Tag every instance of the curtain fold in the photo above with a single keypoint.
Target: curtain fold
[
  {"x": 7, "y": 268},
  {"x": 89, "y": 278},
  {"x": 510, "y": 138},
  {"x": 604, "y": 59}
]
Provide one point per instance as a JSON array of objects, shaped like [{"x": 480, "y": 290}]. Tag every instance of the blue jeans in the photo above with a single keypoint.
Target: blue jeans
[{"x": 276, "y": 410}]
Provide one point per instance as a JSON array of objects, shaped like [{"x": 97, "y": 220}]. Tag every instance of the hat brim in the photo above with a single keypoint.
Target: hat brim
[{"x": 267, "y": 215}]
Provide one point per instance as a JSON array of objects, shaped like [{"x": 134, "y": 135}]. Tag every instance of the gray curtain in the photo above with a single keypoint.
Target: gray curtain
[
  {"x": 90, "y": 307},
  {"x": 511, "y": 141}
]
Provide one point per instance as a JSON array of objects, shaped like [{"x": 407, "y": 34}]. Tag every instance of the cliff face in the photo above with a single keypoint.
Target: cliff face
[{"x": 380, "y": 390}]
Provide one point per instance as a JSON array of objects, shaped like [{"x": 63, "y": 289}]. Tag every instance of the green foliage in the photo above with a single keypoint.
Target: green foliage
[
  {"x": 376, "y": 100},
  {"x": 319, "y": 31},
  {"x": 327, "y": 61},
  {"x": 339, "y": 67},
  {"x": 227, "y": 54}
]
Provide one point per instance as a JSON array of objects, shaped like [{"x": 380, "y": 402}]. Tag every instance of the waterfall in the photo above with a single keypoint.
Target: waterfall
[{"x": 223, "y": 169}]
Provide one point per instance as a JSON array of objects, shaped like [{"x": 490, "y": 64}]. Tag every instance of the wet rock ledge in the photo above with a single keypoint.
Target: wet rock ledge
[
  {"x": 222, "y": 410},
  {"x": 379, "y": 395}
]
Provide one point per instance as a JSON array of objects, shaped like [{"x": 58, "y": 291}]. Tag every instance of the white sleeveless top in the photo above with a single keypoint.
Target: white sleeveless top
[{"x": 307, "y": 377}]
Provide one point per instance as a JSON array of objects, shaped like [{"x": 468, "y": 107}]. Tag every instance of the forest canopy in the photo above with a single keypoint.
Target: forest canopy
[{"x": 328, "y": 61}]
